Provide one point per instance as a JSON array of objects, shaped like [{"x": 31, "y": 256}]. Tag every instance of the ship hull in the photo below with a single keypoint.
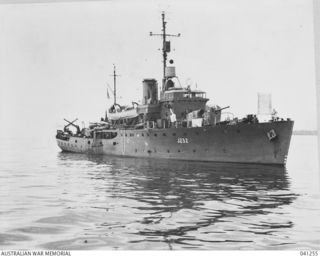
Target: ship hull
[{"x": 240, "y": 143}]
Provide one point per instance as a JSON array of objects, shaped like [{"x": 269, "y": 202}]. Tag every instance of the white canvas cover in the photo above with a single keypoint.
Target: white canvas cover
[
  {"x": 128, "y": 114},
  {"x": 264, "y": 104}
]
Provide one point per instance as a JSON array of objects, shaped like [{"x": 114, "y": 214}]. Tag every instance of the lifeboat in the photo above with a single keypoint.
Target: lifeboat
[{"x": 117, "y": 112}]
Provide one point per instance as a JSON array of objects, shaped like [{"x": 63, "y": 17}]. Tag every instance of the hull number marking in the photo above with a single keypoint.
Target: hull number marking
[{"x": 183, "y": 140}]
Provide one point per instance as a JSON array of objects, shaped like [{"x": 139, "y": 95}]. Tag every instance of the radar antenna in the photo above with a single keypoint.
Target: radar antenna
[{"x": 165, "y": 45}]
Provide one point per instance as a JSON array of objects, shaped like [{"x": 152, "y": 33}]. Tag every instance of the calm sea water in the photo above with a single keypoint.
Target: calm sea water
[{"x": 54, "y": 200}]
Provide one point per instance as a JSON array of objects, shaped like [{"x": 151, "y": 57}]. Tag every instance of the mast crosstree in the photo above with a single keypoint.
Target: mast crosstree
[{"x": 165, "y": 45}]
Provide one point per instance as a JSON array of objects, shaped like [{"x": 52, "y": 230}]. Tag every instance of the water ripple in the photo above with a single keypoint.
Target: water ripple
[{"x": 75, "y": 201}]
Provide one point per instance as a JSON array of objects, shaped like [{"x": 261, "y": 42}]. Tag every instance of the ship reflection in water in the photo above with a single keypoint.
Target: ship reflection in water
[{"x": 163, "y": 204}]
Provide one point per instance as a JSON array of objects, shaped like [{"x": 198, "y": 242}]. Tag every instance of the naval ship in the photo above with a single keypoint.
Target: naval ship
[{"x": 175, "y": 122}]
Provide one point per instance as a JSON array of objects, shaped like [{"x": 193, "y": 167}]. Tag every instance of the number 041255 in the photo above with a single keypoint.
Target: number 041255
[{"x": 309, "y": 253}]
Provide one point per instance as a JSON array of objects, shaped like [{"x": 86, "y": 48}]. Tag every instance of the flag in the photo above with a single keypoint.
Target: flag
[{"x": 108, "y": 96}]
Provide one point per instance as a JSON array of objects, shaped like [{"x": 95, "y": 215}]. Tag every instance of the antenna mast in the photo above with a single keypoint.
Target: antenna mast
[
  {"x": 114, "y": 75},
  {"x": 165, "y": 45}
]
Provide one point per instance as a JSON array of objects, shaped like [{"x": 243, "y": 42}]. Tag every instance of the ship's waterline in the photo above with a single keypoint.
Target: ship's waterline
[{"x": 243, "y": 143}]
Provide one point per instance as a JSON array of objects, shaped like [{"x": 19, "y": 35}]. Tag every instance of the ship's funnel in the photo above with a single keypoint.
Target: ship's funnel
[
  {"x": 150, "y": 91},
  {"x": 170, "y": 72}
]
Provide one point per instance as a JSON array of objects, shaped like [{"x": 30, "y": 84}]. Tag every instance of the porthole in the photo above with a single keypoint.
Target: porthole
[
  {"x": 174, "y": 134},
  {"x": 197, "y": 133},
  {"x": 142, "y": 134},
  {"x": 185, "y": 133},
  {"x": 194, "y": 150},
  {"x": 76, "y": 141},
  {"x": 164, "y": 134},
  {"x": 168, "y": 151},
  {"x": 89, "y": 142},
  {"x": 114, "y": 143},
  {"x": 179, "y": 151},
  {"x": 155, "y": 134},
  {"x": 131, "y": 135},
  {"x": 135, "y": 150}
]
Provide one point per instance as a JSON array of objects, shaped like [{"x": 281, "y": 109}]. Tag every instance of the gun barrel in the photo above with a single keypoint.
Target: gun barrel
[
  {"x": 222, "y": 108},
  {"x": 71, "y": 122}
]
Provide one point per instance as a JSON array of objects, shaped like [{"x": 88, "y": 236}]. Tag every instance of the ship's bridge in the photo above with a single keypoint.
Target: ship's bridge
[
  {"x": 182, "y": 94},
  {"x": 181, "y": 101}
]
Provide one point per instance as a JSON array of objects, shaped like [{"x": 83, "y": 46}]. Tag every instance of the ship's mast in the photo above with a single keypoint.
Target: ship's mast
[
  {"x": 114, "y": 75},
  {"x": 165, "y": 45}
]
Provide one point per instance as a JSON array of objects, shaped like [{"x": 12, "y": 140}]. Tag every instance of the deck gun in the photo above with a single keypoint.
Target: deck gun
[{"x": 219, "y": 110}]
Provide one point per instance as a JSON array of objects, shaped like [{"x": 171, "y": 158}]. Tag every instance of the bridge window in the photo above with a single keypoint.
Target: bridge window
[
  {"x": 194, "y": 95},
  {"x": 201, "y": 95}
]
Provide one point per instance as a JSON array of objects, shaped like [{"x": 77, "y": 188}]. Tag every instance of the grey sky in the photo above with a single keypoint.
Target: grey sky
[{"x": 55, "y": 59}]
